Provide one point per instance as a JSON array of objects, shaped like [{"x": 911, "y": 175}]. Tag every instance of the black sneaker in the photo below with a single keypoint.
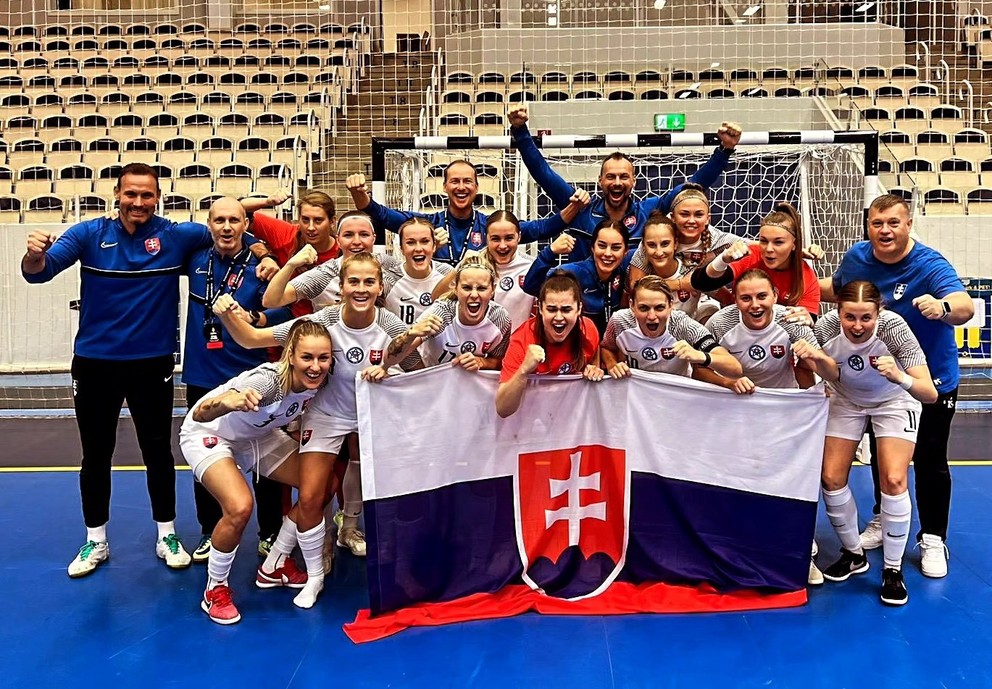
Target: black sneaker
[
  {"x": 848, "y": 564},
  {"x": 893, "y": 587}
]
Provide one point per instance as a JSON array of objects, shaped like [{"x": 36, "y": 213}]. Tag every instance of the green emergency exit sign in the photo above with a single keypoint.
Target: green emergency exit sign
[{"x": 669, "y": 122}]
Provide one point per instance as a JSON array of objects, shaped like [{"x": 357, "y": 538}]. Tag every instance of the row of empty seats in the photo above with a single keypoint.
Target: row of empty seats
[
  {"x": 182, "y": 61},
  {"x": 175, "y": 151},
  {"x": 205, "y": 80},
  {"x": 127, "y": 125},
  {"x": 172, "y": 28},
  {"x": 151, "y": 102},
  {"x": 172, "y": 47},
  {"x": 941, "y": 201},
  {"x": 971, "y": 144}
]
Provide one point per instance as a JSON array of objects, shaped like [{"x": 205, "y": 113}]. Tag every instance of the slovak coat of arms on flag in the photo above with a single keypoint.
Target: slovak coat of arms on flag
[{"x": 572, "y": 507}]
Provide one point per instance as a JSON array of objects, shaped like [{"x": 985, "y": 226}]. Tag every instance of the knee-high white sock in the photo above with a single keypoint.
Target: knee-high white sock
[
  {"x": 352, "y": 489},
  {"x": 843, "y": 514},
  {"x": 219, "y": 566},
  {"x": 282, "y": 547},
  {"x": 312, "y": 546},
  {"x": 896, "y": 512}
]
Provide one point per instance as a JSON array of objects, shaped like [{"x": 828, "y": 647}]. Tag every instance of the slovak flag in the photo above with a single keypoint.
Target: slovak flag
[{"x": 593, "y": 498}]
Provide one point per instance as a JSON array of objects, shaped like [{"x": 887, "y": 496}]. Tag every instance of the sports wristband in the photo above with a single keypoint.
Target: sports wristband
[
  {"x": 707, "y": 361},
  {"x": 719, "y": 264},
  {"x": 907, "y": 381}
]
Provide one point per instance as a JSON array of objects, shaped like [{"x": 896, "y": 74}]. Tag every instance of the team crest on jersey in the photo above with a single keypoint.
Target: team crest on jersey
[
  {"x": 649, "y": 354},
  {"x": 616, "y": 282},
  {"x": 210, "y": 442},
  {"x": 899, "y": 290},
  {"x": 630, "y": 221},
  {"x": 292, "y": 409},
  {"x": 354, "y": 355},
  {"x": 693, "y": 256},
  {"x": 667, "y": 353},
  {"x": 306, "y": 403},
  {"x": 425, "y": 299},
  {"x": 873, "y": 360},
  {"x": 475, "y": 238},
  {"x": 468, "y": 347},
  {"x": 506, "y": 284},
  {"x": 520, "y": 280},
  {"x": 235, "y": 281},
  {"x": 571, "y": 508},
  {"x": 683, "y": 295},
  {"x": 565, "y": 368},
  {"x": 856, "y": 362},
  {"x": 486, "y": 346},
  {"x": 375, "y": 357},
  {"x": 153, "y": 245},
  {"x": 778, "y": 351},
  {"x": 305, "y": 436},
  {"x": 756, "y": 352}
]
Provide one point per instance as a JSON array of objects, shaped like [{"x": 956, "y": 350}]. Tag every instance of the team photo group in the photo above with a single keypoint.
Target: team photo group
[{"x": 284, "y": 319}]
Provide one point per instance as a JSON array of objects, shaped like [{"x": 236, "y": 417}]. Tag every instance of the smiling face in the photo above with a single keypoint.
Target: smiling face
[
  {"x": 311, "y": 361},
  {"x": 857, "y": 320},
  {"x": 651, "y": 309},
  {"x": 503, "y": 238},
  {"x": 316, "y": 227},
  {"x": 659, "y": 247},
  {"x": 137, "y": 197},
  {"x": 461, "y": 187},
  {"x": 616, "y": 182},
  {"x": 777, "y": 247},
  {"x": 691, "y": 217},
  {"x": 607, "y": 251},
  {"x": 559, "y": 311},
  {"x": 355, "y": 236},
  {"x": 755, "y": 298},
  {"x": 889, "y": 233},
  {"x": 418, "y": 246},
  {"x": 474, "y": 290},
  {"x": 360, "y": 286},
  {"x": 227, "y": 224}
]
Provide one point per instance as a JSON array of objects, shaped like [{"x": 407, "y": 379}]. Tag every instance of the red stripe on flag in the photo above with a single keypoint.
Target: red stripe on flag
[{"x": 618, "y": 599}]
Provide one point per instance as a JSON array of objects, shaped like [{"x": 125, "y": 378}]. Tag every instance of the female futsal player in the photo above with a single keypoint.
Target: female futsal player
[
  {"x": 659, "y": 248},
  {"x": 883, "y": 379},
  {"x": 240, "y": 423},
  {"x": 558, "y": 341},
  {"x": 409, "y": 284}
]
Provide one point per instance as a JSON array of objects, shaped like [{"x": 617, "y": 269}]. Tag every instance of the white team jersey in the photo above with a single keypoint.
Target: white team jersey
[
  {"x": 321, "y": 284},
  {"x": 510, "y": 292},
  {"x": 274, "y": 411},
  {"x": 409, "y": 297},
  {"x": 353, "y": 351},
  {"x": 489, "y": 337},
  {"x": 765, "y": 355},
  {"x": 690, "y": 254},
  {"x": 860, "y": 382},
  {"x": 656, "y": 353}
]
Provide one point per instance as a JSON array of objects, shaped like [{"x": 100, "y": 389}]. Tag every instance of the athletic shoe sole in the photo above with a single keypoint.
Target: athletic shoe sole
[
  {"x": 892, "y": 601},
  {"x": 263, "y": 581},
  {"x": 86, "y": 573},
  {"x": 206, "y": 609}
]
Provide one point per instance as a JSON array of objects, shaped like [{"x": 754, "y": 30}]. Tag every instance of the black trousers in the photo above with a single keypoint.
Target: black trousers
[
  {"x": 268, "y": 493},
  {"x": 99, "y": 390},
  {"x": 933, "y": 474}
]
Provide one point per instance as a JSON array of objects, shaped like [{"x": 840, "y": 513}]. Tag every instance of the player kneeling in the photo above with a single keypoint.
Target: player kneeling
[{"x": 239, "y": 426}]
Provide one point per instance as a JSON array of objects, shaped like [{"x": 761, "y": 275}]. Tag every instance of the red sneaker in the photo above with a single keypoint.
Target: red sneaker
[
  {"x": 219, "y": 606},
  {"x": 287, "y": 574}
]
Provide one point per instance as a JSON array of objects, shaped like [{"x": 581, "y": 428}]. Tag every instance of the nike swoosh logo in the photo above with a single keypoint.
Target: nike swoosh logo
[
  {"x": 406, "y": 298},
  {"x": 200, "y": 271},
  {"x": 589, "y": 291},
  {"x": 169, "y": 378},
  {"x": 892, "y": 535},
  {"x": 104, "y": 245}
]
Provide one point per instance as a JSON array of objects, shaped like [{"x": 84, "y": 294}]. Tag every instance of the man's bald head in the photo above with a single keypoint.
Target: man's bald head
[{"x": 227, "y": 222}]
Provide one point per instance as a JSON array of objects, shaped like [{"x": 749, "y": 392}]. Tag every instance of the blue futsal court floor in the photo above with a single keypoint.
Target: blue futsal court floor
[{"x": 134, "y": 623}]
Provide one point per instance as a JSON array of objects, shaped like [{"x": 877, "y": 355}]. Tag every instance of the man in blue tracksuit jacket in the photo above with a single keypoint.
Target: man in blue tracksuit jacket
[
  {"x": 129, "y": 279},
  {"x": 616, "y": 184}
]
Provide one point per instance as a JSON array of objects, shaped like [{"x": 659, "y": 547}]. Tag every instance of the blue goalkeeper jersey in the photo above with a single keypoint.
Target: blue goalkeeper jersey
[{"x": 129, "y": 306}]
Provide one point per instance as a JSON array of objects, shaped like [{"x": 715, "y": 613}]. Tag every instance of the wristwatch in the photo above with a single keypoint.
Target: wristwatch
[
  {"x": 947, "y": 309},
  {"x": 255, "y": 317}
]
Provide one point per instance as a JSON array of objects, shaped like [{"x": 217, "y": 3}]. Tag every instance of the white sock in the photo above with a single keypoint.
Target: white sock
[
  {"x": 165, "y": 528},
  {"x": 312, "y": 546},
  {"x": 97, "y": 534},
  {"x": 219, "y": 566},
  {"x": 282, "y": 547},
  {"x": 896, "y": 512},
  {"x": 843, "y": 514}
]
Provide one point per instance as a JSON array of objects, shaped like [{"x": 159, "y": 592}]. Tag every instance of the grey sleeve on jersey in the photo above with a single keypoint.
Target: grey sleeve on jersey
[
  {"x": 638, "y": 260},
  {"x": 800, "y": 332},
  {"x": 501, "y": 318},
  {"x": 325, "y": 317},
  {"x": 610, "y": 336},
  {"x": 394, "y": 327},
  {"x": 443, "y": 268},
  {"x": 264, "y": 381},
  {"x": 899, "y": 338},
  {"x": 682, "y": 327},
  {"x": 722, "y": 321},
  {"x": 827, "y": 327},
  {"x": 443, "y": 309},
  {"x": 314, "y": 281}
]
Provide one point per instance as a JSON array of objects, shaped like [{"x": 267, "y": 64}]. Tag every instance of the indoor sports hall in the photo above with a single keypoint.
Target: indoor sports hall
[{"x": 838, "y": 102}]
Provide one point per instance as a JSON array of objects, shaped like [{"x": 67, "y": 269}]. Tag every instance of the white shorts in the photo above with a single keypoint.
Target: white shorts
[
  {"x": 320, "y": 432},
  {"x": 264, "y": 455},
  {"x": 896, "y": 418}
]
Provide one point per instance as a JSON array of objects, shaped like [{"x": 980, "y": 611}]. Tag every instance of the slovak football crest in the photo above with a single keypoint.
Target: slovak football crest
[
  {"x": 572, "y": 508},
  {"x": 153, "y": 245}
]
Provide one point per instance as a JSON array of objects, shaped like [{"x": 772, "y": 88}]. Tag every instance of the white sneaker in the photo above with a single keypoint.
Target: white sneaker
[
  {"x": 353, "y": 540},
  {"x": 933, "y": 562},
  {"x": 90, "y": 556},
  {"x": 170, "y": 549},
  {"x": 871, "y": 537},
  {"x": 815, "y": 577}
]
